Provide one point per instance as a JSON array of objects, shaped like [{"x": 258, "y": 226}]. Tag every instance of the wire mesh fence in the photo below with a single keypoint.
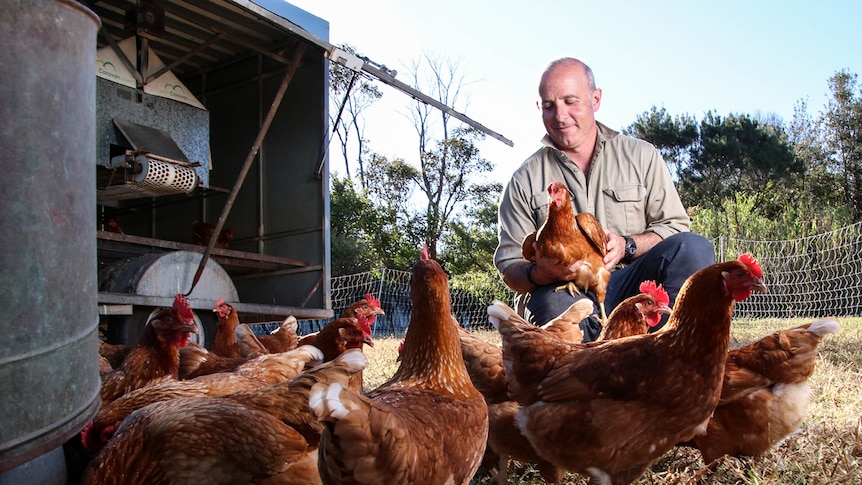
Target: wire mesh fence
[{"x": 811, "y": 277}]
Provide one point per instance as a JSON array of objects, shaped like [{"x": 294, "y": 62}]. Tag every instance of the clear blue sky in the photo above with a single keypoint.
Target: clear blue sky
[{"x": 736, "y": 56}]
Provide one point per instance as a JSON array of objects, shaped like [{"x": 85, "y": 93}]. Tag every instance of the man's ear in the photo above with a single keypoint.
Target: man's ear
[{"x": 596, "y": 100}]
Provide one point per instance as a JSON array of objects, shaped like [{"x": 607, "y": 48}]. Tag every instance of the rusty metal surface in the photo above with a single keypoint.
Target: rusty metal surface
[{"x": 49, "y": 378}]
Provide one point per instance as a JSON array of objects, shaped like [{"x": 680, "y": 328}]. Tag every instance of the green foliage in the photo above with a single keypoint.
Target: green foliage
[
  {"x": 445, "y": 180},
  {"x": 842, "y": 125},
  {"x": 364, "y": 236},
  {"x": 737, "y": 154},
  {"x": 673, "y": 137},
  {"x": 472, "y": 238}
]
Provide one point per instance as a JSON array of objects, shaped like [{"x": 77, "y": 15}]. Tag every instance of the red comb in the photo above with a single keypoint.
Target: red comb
[
  {"x": 425, "y": 252},
  {"x": 372, "y": 300},
  {"x": 183, "y": 309},
  {"x": 220, "y": 302},
  {"x": 752, "y": 264},
  {"x": 656, "y": 291}
]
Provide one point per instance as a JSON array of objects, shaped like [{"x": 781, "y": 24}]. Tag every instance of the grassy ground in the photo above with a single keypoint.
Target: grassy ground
[{"x": 827, "y": 449}]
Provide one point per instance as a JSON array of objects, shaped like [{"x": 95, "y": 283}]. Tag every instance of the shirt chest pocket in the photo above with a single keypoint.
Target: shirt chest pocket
[
  {"x": 539, "y": 207},
  {"x": 625, "y": 209}
]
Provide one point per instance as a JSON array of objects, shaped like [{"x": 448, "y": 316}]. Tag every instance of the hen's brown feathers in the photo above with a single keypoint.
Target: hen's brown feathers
[
  {"x": 428, "y": 424},
  {"x": 765, "y": 392},
  {"x": 266, "y": 435},
  {"x": 224, "y": 342},
  {"x": 570, "y": 238},
  {"x": 156, "y": 354},
  {"x": 614, "y": 407}
]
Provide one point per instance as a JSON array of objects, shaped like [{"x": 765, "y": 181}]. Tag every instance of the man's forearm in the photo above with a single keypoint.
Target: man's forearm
[{"x": 517, "y": 276}]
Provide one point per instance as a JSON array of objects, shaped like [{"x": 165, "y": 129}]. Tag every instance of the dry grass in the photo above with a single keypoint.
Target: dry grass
[{"x": 827, "y": 449}]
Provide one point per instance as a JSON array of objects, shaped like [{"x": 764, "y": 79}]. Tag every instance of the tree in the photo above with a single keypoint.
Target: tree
[
  {"x": 368, "y": 234},
  {"x": 351, "y": 94},
  {"x": 470, "y": 243},
  {"x": 842, "y": 122},
  {"x": 673, "y": 137},
  {"x": 448, "y": 156},
  {"x": 353, "y": 219}
]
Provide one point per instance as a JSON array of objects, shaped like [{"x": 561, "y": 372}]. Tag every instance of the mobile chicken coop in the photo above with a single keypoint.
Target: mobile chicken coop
[{"x": 215, "y": 111}]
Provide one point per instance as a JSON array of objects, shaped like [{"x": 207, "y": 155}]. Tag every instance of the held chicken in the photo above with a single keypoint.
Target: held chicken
[
  {"x": 609, "y": 409},
  {"x": 156, "y": 354},
  {"x": 427, "y": 424},
  {"x": 570, "y": 238},
  {"x": 765, "y": 392},
  {"x": 261, "y": 436},
  {"x": 263, "y": 371}
]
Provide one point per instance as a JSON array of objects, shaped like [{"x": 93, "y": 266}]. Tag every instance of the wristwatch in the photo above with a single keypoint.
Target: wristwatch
[{"x": 631, "y": 249}]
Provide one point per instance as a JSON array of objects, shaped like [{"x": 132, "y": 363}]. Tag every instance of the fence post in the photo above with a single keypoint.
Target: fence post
[{"x": 389, "y": 320}]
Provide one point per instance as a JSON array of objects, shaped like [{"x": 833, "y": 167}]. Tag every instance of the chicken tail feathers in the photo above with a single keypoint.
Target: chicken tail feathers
[
  {"x": 823, "y": 326},
  {"x": 525, "y": 366}
]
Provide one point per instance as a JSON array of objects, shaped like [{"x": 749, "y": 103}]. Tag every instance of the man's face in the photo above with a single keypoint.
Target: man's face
[{"x": 568, "y": 106}]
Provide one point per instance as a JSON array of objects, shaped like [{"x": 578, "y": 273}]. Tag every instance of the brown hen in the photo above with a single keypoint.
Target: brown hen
[
  {"x": 156, "y": 353},
  {"x": 637, "y": 314},
  {"x": 611, "y": 408},
  {"x": 485, "y": 365},
  {"x": 365, "y": 310},
  {"x": 765, "y": 392},
  {"x": 224, "y": 341},
  {"x": 427, "y": 424},
  {"x": 570, "y": 238},
  {"x": 261, "y": 436},
  {"x": 202, "y": 232},
  {"x": 263, "y": 371}
]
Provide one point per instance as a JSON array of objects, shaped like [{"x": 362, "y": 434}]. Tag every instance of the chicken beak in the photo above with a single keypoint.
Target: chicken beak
[
  {"x": 664, "y": 309},
  {"x": 379, "y": 311},
  {"x": 367, "y": 340},
  {"x": 759, "y": 286}
]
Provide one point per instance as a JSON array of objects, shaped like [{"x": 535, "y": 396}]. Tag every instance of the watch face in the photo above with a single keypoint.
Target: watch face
[{"x": 631, "y": 247}]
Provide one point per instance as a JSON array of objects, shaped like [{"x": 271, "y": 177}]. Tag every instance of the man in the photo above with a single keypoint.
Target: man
[{"x": 621, "y": 180}]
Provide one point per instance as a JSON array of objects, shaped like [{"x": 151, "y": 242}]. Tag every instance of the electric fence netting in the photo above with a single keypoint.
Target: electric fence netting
[{"x": 812, "y": 277}]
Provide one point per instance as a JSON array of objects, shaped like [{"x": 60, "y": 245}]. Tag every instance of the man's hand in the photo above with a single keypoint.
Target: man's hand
[
  {"x": 616, "y": 249},
  {"x": 549, "y": 270}
]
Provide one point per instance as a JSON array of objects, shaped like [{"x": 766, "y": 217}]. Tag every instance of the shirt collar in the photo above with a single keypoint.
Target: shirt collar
[{"x": 603, "y": 133}]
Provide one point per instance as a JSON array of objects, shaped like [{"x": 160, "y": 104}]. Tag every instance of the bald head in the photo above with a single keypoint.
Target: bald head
[{"x": 569, "y": 63}]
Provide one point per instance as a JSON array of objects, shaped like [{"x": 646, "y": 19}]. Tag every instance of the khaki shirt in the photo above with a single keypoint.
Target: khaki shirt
[{"x": 629, "y": 190}]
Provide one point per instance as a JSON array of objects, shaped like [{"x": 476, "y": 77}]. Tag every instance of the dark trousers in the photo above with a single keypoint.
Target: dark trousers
[{"x": 668, "y": 263}]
